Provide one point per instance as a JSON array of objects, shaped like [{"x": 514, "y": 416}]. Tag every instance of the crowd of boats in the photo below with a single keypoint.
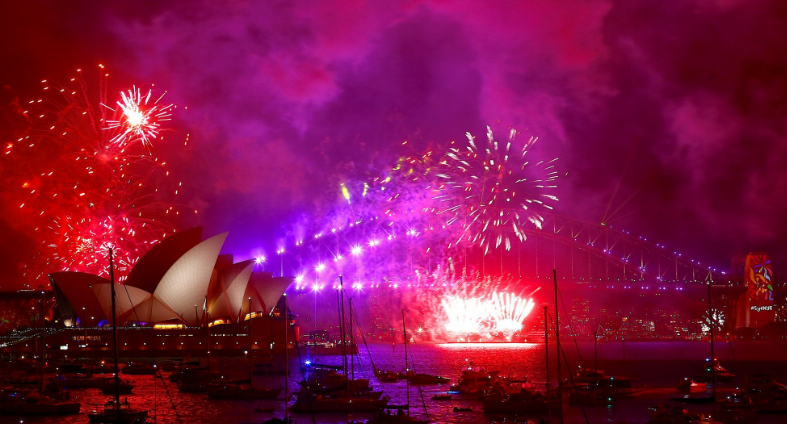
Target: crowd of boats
[
  {"x": 34, "y": 388},
  {"x": 327, "y": 388}
]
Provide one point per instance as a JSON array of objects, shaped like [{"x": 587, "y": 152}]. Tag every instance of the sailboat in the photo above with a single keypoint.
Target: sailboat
[
  {"x": 347, "y": 394},
  {"x": 528, "y": 401},
  {"x": 34, "y": 402},
  {"x": 113, "y": 411},
  {"x": 244, "y": 391},
  {"x": 384, "y": 415}
]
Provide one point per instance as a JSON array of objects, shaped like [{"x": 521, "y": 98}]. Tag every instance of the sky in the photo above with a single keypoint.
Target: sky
[{"x": 668, "y": 117}]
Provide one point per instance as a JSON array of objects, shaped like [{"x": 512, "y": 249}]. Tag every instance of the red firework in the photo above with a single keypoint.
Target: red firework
[{"x": 83, "y": 177}]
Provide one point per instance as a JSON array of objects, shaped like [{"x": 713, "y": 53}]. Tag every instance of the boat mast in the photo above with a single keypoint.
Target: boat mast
[
  {"x": 557, "y": 338},
  {"x": 546, "y": 354},
  {"x": 712, "y": 324},
  {"x": 352, "y": 341},
  {"x": 43, "y": 341},
  {"x": 251, "y": 356},
  {"x": 286, "y": 363},
  {"x": 114, "y": 335},
  {"x": 406, "y": 366},
  {"x": 343, "y": 333}
]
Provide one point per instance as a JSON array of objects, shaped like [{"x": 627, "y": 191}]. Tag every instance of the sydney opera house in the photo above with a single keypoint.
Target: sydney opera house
[{"x": 182, "y": 297}]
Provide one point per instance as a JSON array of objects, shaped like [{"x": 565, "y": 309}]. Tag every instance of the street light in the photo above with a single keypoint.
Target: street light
[{"x": 280, "y": 252}]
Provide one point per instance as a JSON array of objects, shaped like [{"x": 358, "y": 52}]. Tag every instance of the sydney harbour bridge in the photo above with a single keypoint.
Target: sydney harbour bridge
[{"x": 599, "y": 267}]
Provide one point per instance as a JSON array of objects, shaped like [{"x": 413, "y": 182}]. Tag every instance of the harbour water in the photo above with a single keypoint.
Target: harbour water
[{"x": 655, "y": 366}]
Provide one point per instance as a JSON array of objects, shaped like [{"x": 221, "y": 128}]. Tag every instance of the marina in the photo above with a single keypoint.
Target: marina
[{"x": 655, "y": 378}]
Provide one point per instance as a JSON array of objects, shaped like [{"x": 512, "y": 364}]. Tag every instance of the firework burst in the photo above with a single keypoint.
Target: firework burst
[
  {"x": 493, "y": 192},
  {"x": 83, "y": 177},
  {"x": 509, "y": 312},
  {"x": 140, "y": 118}
]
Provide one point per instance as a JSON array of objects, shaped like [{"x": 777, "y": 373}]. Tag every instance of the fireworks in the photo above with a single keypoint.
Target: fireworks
[
  {"x": 708, "y": 320},
  {"x": 140, "y": 119},
  {"x": 501, "y": 314},
  {"x": 83, "y": 177},
  {"x": 464, "y": 316},
  {"x": 493, "y": 191},
  {"x": 509, "y": 312}
]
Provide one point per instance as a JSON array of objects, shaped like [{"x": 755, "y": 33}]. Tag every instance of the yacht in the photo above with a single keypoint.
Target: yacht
[
  {"x": 475, "y": 380},
  {"x": 108, "y": 413}
]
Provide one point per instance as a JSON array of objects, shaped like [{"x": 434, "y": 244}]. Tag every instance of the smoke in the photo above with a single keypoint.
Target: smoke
[{"x": 668, "y": 117}]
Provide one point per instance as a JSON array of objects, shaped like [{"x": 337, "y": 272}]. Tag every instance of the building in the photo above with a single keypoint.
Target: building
[{"x": 181, "y": 296}]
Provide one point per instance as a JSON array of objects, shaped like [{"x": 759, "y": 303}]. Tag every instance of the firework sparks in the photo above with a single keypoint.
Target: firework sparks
[
  {"x": 493, "y": 191},
  {"x": 465, "y": 315},
  {"x": 509, "y": 312},
  {"x": 716, "y": 320},
  {"x": 140, "y": 119},
  {"x": 80, "y": 182}
]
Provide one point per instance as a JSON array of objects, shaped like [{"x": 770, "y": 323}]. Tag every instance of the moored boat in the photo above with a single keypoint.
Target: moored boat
[
  {"x": 20, "y": 402},
  {"x": 241, "y": 392},
  {"x": 422, "y": 379},
  {"x": 107, "y": 413},
  {"x": 393, "y": 414},
  {"x": 139, "y": 368},
  {"x": 309, "y": 402},
  {"x": 523, "y": 402},
  {"x": 475, "y": 380}
]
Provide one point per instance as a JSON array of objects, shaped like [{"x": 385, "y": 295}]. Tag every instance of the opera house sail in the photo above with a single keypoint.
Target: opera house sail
[{"x": 172, "y": 303}]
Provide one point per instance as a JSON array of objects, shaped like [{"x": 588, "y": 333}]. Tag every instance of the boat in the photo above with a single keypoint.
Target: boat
[
  {"x": 606, "y": 385},
  {"x": 475, "y": 380},
  {"x": 245, "y": 390},
  {"x": 386, "y": 376},
  {"x": 76, "y": 381},
  {"x": 311, "y": 402},
  {"x": 524, "y": 402},
  {"x": 394, "y": 414},
  {"x": 139, "y": 368},
  {"x": 768, "y": 395},
  {"x": 423, "y": 379},
  {"x": 688, "y": 385},
  {"x": 714, "y": 369},
  {"x": 34, "y": 402},
  {"x": 30, "y": 402},
  {"x": 241, "y": 392},
  {"x": 66, "y": 366},
  {"x": 178, "y": 364},
  {"x": 463, "y": 409},
  {"x": 326, "y": 390},
  {"x": 113, "y": 411},
  {"x": 737, "y": 407},
  {"x": 498, "y": 401},
  {"x": 124, "y": 387},
  {"x": 442, "y": 397},
  {"x": 772, "y": 406},
  {"x": 585, "y": 394},
  {"x": 664, "y": 414},
  {"x": 693, "y": 398},
  {"x": 107, "y": 413}
]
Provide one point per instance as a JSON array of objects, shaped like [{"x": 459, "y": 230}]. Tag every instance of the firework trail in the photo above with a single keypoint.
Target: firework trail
[
  {"x": 82, "y": 176},
  {"x": 493, "y": 192}
]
